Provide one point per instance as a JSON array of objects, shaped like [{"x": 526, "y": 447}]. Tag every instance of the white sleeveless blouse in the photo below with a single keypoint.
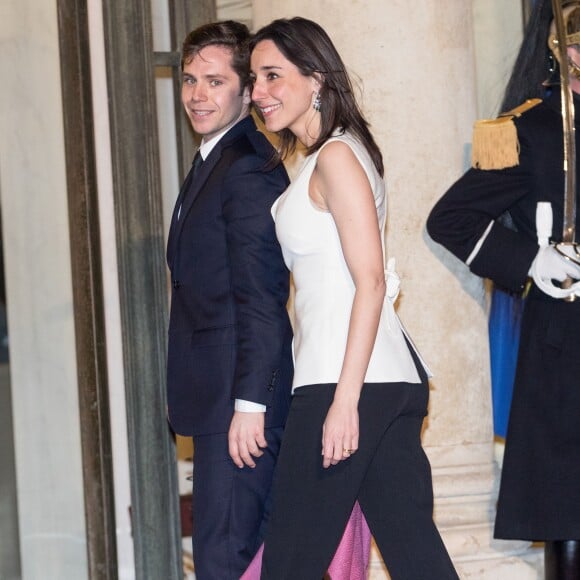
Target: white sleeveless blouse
[{"x": 325, "y": 289}]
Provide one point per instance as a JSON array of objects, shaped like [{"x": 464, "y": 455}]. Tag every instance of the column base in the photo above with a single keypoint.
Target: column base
[
  {"x": 465, "y": 483},
  {"x": 498, "y": 562}
]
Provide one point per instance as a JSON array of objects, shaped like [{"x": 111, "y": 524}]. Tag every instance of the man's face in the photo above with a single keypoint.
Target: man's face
[
  {"x": 573, "y": 53},
  {"x": 210, "y": 92}
]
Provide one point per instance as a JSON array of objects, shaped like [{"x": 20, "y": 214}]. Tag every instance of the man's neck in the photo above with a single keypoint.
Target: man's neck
[{"x": 206, "y": 147}]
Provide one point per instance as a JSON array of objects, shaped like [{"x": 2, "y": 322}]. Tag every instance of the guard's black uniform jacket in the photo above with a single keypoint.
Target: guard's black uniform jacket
[{"x": 540, "y": 487}]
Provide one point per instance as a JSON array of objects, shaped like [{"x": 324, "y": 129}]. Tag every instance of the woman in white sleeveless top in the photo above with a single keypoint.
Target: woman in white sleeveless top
[{"x": 360, "y": 388}]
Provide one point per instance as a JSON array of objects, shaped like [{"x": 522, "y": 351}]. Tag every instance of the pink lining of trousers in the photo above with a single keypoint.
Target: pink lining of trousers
[{"x": 351, "y": 558}]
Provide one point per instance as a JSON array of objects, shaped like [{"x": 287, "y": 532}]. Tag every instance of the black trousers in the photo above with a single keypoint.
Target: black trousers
[
  {"x": 390, "y": 476},
  {"x": 231, "y": 506}
]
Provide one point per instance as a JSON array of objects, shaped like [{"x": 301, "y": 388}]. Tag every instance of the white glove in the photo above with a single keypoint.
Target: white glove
[{"x": 550, "y": 265}]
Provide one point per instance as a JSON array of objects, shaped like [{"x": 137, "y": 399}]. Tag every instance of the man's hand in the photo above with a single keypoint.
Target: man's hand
[{"x": 246, "y": 438}]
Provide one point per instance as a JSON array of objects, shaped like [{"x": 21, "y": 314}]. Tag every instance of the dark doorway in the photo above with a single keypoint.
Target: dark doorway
[{"x": 9, "y": 546}]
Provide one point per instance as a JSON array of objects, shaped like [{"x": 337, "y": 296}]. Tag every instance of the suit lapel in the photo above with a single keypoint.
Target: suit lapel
[
  {"x": 197, "y": 184},
  {"x": 191, "y": 188},
  {"x": 174, "y": 218}
]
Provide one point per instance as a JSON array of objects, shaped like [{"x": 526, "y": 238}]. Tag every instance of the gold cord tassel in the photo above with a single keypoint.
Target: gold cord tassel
[
  {"x": 495, "y": 141},
  {"x": 495, "y": 144}
]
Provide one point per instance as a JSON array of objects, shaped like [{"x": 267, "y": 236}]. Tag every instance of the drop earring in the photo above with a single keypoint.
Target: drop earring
[{"x": 317, "y": 102}]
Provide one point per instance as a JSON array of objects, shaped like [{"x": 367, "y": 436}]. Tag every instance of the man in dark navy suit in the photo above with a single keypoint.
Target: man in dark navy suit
[{"x": 229, "y": 358}]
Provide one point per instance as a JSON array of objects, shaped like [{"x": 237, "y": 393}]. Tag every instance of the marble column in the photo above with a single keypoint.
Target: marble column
[
  {"x": 39, "y": 295},
  {"x": 414, "y": 64}
]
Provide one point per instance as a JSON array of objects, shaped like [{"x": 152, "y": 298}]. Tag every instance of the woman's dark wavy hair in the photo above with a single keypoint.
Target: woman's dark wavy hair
[{"x": 306, "y": 45}]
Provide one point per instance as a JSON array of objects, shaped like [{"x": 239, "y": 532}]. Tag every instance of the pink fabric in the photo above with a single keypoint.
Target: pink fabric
[{"x": 351, "y": 559}]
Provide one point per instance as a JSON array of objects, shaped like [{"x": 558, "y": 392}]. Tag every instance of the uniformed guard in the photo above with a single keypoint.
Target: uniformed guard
[{"x": 512, "y": 218}]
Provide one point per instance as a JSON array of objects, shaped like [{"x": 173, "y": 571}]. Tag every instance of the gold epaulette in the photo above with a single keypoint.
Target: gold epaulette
[{"x": 495, "y": 141}]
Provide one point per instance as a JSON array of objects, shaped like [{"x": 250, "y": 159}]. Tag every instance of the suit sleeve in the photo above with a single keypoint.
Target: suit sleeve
[
  {"x": 466, "y": 222},
  {"x": 259, "y": 278}
]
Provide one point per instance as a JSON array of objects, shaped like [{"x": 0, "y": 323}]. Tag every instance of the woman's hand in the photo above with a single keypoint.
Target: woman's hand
[{"x": 340, "y": 432}]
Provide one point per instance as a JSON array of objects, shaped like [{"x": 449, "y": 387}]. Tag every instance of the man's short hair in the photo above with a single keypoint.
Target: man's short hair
[{"x": 230, "y": 34}]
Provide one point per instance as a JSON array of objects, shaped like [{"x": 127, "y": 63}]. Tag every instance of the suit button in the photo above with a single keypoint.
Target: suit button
[
  {"x": 176, "y": 284},
  {"x": 270, "y": 388}
]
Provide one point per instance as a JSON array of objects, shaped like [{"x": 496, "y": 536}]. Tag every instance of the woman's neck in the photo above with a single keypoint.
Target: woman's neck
[{"x": 308, "y": 131}]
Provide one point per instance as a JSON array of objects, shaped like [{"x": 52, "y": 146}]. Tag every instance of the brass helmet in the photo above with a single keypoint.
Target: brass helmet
[{"x": 571, "y": 17}]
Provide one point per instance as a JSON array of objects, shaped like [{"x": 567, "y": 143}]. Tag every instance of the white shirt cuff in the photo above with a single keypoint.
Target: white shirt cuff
[{"x": 249, "y": 406}]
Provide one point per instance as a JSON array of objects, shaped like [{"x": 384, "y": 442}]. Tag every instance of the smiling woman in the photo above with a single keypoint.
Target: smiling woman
[
  {"x": 283, "y": 95},
  {"x": 360, "y": 389}
]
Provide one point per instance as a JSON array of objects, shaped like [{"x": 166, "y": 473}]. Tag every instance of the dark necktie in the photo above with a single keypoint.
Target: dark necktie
[
  {"x": 195, "y": 166},
  {"x": 197, "y": 161}
]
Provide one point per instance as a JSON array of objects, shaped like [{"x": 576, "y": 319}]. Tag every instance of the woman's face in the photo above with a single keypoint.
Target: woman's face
[{"x": 283, "y": 94}]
